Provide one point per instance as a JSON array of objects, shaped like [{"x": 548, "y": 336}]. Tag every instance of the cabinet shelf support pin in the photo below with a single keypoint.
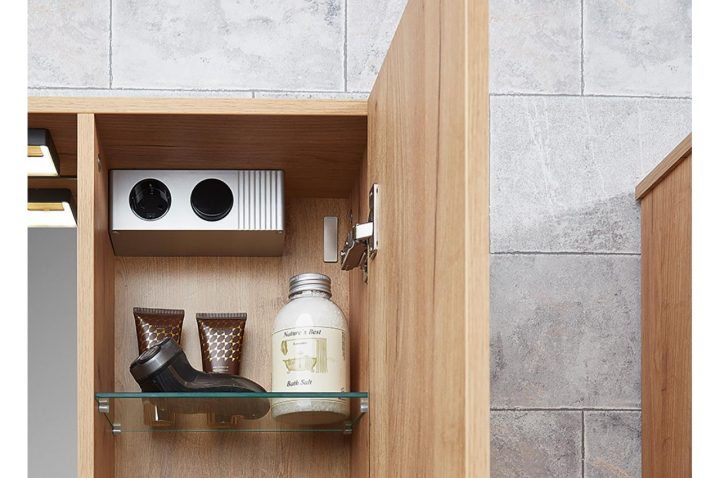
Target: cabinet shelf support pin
[{"x": 104, "y": 405}]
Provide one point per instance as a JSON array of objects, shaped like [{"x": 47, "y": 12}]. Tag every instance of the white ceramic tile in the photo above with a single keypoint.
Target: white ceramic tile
[
  {"x": 239, "y": 45},
  {"x": 371, "y": 26},
  {"x": 638, "y": 47},
  {"x": 68, "y": 43},
  {"x": 535, "y": 46},
  {"x": 564, "y": 169}
]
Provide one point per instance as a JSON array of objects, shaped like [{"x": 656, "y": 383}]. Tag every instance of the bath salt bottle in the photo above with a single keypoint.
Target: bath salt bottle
[{"x": 310, "y": 353}]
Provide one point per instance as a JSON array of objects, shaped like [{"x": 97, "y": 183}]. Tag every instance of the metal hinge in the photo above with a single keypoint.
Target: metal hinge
[{"x": 362, "y": 241}]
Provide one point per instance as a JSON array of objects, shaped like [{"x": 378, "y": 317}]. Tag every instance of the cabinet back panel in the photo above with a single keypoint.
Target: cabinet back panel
[{"x": 259, "y": 287}]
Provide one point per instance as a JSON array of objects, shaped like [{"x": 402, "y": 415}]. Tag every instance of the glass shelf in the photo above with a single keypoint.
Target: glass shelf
[{"x": 219, "y": 412}]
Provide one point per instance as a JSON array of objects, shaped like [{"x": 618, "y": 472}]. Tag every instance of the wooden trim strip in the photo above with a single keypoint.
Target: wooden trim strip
[
  {"x": 681, "y": 151},
  {"x": 85, "y": 297},
  {"x": 95, "y": 306},
  {"x": 477, "y": 240},
  {"x": 198, "y": 106}
]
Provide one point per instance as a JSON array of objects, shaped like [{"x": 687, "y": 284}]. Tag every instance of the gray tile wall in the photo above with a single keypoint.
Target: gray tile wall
[
  {"x": 587, "y": 96},
  {"x": 237, "y": 48}
]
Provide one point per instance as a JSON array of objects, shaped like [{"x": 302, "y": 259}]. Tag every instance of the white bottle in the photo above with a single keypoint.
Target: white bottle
[{"x": 310, "y": 353}]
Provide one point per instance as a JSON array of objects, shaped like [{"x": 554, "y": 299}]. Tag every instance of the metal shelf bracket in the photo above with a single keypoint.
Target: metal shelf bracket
[{"x": 104, "y": 405}]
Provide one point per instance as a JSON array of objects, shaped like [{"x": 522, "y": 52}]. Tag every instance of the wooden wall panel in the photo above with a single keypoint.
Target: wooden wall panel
[
  {"x": 667, "y": 324},
  {"x": 259, "y": 287},
  {"x": 428, "y": 290},
  {"x": 95, "y": 285}
]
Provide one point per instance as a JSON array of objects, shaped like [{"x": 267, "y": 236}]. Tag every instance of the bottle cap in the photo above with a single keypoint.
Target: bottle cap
[{"x": 309, "y": 281}]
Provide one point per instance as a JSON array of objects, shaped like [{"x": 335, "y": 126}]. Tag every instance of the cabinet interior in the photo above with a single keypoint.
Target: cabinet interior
[
  {"x": 323, "y": 159},
  {"x": 258, "y": 286}
]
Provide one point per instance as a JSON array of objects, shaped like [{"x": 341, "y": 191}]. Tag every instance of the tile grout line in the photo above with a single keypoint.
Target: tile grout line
[
  {"x": 582, "y": 47},
  {"x": 582, "y": 444},
  {"x": 250, "y": 90},
  {"x": 571, "y": 95},
  {"x": 110, "y": 29},
  {"x": 195, "y": 90},
  {"x": 563, "y": 253},
  {"x": 345, "y": 50},
  {"x": 91, "y": 88}
]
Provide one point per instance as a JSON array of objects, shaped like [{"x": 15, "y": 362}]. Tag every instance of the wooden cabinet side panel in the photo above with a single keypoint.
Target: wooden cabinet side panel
[
  {"x": 666, "y": 326},
  {"x": 427, "y": 310},
  {"x": 95, "y": 361},
  {"x": 360, "y": 449}
]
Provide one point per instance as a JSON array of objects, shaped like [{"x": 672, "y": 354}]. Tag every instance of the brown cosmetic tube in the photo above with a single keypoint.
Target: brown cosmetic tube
[
  {"x": 153, "y": 325},
  {"x": 221, "y": 337}
]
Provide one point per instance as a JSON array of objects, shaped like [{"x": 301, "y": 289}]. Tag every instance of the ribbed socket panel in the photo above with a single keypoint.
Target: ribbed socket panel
[
  {"x": 252, "y": 227},
  {"x": 261, "y": 200}
]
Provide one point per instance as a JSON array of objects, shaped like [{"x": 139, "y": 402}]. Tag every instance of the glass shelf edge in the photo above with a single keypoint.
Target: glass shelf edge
[
  {"x": 104, "y": 401},
  {"x": 109, "y": 395}
]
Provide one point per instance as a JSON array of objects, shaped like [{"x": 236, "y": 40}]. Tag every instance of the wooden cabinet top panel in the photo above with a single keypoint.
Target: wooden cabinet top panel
[
  {"x": 196, "y": 106},
  {"x": 318, "y": 143}
]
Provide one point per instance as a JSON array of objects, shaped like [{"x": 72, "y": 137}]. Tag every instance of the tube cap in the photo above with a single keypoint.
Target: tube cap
[{"x": 309, "y": 281}]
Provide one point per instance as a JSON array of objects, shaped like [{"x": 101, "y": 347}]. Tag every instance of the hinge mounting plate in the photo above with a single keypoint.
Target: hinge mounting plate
[{"x": 363, "y": 240}]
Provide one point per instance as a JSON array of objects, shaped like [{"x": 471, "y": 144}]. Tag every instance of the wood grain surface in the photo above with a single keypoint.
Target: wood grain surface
[
  {"x": 477, "y": 239},
  {"x": 683, "y": 149},
  {"x": 321, "y": 155},
  {"x": 95, "y": 300},
  {"x": 360, "y": 452},
  {"x": 428, "y": 288},
  {"x": 319, "y": 143},
  {"x": 667, "y": 325},
  {"x": 200, "y": 106},
  {"x": 259, "y": 287}
]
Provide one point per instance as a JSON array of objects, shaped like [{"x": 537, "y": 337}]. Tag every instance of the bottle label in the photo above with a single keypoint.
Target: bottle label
[{"x": 310, "y": 359}]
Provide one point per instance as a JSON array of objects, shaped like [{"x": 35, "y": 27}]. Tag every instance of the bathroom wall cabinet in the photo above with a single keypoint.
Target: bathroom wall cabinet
[
  {"x": 419, "y": 326},
  {"x": 666, "y": 212}
]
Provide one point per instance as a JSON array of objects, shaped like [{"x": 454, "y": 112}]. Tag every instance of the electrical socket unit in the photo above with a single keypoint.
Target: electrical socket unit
[{"x": 197, "y": 213}]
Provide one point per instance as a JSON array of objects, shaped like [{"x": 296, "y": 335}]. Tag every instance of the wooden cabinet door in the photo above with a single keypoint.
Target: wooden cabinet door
[
  {"x": 666, "y": 283},
  {"x": 427, "y": 295}
]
